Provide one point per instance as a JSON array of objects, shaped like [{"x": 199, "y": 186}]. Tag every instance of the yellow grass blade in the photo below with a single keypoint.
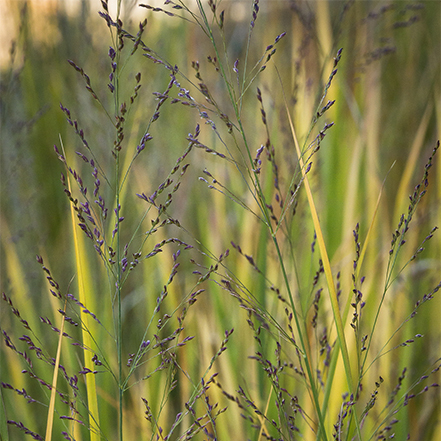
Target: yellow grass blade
[
  {"x": 324, "y": 255},
  {"x": 326, "y": 264},
  {"x": 50, "y": 415},
  {"x": 348, "y": 302},
  {"x": 84, "y": 287},
  {"x": 261, "y": 418}
]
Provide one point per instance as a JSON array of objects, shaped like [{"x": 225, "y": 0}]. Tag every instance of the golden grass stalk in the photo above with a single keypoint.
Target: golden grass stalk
[
  {"x": 50, "y": 415},
  {"x": 261, "y": 418}
]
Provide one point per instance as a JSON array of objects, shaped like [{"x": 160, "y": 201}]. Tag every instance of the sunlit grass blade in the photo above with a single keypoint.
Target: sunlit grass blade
[
  {"x": 334, "y": 359},
  {"x": 261, "y": 418},
  {"x": 326, "y": 265},
  {"x": 85, "y": 291},
  {"x": 51, "y": 410}
]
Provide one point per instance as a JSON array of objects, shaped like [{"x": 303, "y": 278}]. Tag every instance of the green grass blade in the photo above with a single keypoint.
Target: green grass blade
[{"x": 85, "y": 291}]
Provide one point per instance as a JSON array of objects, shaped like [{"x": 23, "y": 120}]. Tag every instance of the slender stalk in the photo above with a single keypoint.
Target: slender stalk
[
  {"x": 119, "y": 333},
  {"x": 304, "y": 344},
  {"x": 50, "y": 416},
  {"x": 118, "y": 292}
]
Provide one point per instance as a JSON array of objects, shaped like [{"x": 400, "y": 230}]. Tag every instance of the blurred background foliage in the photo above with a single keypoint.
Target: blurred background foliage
[{"x": 387, "y": 113}]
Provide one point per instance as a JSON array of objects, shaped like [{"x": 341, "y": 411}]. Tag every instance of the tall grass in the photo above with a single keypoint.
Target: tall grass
[{"x": 231, "y": 252}]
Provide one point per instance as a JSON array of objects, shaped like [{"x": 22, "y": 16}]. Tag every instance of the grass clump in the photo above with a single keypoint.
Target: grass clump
[{"x": 235, "y": 263}]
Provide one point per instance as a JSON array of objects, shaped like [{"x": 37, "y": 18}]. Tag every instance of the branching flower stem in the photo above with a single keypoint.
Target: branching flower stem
[
  {"x": 260, "y": 199},
  {"x": 118, "y": 234}
]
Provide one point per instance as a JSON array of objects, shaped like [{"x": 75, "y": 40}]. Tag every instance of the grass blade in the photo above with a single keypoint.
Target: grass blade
[
  {"x": 84, "y": 287},
  {"x": 50, "y": 416},
  {"x": 326, "y": 264}
]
